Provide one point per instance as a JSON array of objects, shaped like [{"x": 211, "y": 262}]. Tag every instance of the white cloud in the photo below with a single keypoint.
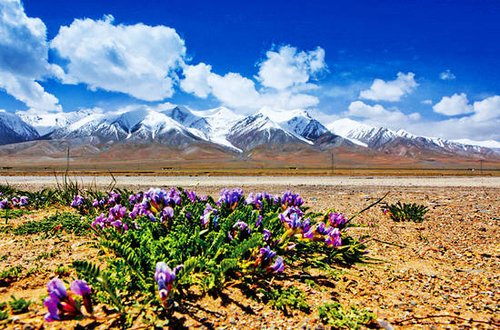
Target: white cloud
[
  {"x": 428, "y": 102},
  {"x": 288, "y": 67},
  {"x": 24, "y": 57},
  {"x": 393, "y": 90},
  {"x": 380, "y": 115},
  {"x": 457, "y": 104},
  {"x": 481, "y": 121},
  {"x": 138, "y": 60},
  {"x": 241, "y": 93},
  {"x": 234, "y": 90},
  {"x": 196, "y": 79},
  {"x": 487, "y": 109},
  {"x": 447, "y": 75}
]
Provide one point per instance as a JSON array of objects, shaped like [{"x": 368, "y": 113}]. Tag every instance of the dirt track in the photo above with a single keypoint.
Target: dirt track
[{"x": 141, "y": 182}]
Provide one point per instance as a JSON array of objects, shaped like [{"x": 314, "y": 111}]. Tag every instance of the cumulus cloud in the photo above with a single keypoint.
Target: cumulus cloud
[
  {"x": 380, "y": 115},
  {"x": 447, "y": 75},
  {"x": 24, "y": 57},
  {"x": 288, "y": 67},
  {"x": 480, "y": 122},
  {"x": 138, "y": 60},
  {"x": 196, "y": 79},
  {"x": 234, "y": 90},
  {"x": 393, "y": 90},
  {"x": 457, "y": 104},
  {"x": 487, "y": 109}
]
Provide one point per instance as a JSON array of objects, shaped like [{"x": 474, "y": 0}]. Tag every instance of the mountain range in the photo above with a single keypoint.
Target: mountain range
[{"x": 180, "y": 127}]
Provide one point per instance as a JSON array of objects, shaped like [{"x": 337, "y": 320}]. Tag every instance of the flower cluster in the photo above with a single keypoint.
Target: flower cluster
[
  {"x": 292, "y": 219},
  {"x": 157, "y": 204},
  {"x": 266, "y": 258},
  {"x": 110, "y": 200},
  {"x": 230, "y": 197},
  {"x": 258, "y": 199},
  {"x": 60, "y": 303},
  {"x": 207, "y": 213},
  {"x": 15, "y": 202},
  {"x": 337, "y": 220},
  {"x": 115, "y": 218},
  {"x": 165, "y": 277},
  {"x": 291, "y": 199}
]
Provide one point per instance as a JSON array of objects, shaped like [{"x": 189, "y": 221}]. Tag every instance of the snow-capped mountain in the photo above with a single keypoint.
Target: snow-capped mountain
[
  {"x": 258, "y": 129},
  {"x": 178, "y": 126},
  {"x": 298, "y": 122},
  {"x": 399, "y": 142},
  {"x": 138, "y": 125},
  {"x": 14, "y": 130},
  {"x": 49, "y": 122}
]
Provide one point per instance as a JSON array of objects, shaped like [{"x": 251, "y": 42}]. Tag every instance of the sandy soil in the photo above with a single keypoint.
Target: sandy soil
[{"x": 442, "y": 273}]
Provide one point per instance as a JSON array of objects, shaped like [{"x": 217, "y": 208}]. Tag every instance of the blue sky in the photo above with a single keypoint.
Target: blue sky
[{"x": 430, "y": 67}]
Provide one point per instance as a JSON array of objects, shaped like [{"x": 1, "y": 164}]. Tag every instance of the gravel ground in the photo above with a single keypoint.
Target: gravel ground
[{"x": 142, "y": 182}]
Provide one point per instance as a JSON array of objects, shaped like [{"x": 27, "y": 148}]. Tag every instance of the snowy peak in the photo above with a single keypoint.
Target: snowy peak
[
  {"x": 13, "y": 129},
  {"x": 49, "y": 122}
]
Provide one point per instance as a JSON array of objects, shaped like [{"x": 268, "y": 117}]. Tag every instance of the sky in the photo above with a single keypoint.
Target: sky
[{"x": 429, "y": 67}]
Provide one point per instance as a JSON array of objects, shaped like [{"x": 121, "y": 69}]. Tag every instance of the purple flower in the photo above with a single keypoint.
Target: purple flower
[
  {"x": 4, "y": 203},
  {"x": 164, "y": 276},
  {"x": 99, "y": 221},
  {"x": 81, "y": 288},
  {"x": 205, "y": 218},
  {"x": 77, "y": 201},
  {"x": 59, "y": 303},
  {"x": 118, "y": 211},
  {"x": 51, "y": 304},
  {"x": 309, "y": 234},
  {"x": 114, "y": 198},
  {"x": 23, "y": 201},
  {"x": 278, "y": 265},
  {"x": 166, "y": 213},
  {"x": 291, "y": 218},
  {"x": 291, "y": 199},
  {"x": 321, "y": 228},
  {"x": 95, "y": 203},
  {"x": 333, "y": 238},
  {"x": 57, "y": 289},
  {"x": 15, "y": 201},
  {"x": 266, "y": 253},
  {"x": 267, "y": 235},
  {"x": 230, "y": 197},
  {"x": 259, "y": 221},
  {"x": 337, "y": 220},
  {"x": 191, "y": 195},
  {"x": 242, "y": 228}
]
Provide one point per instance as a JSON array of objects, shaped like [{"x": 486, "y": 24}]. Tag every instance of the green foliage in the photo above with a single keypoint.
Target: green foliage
[
  {"x": 4, "y": 314},
  {"x": 41, "y": 199},
  {"x": 337, "y": 317},
  {"x": 7, "y": 189},
  {"x": 69, "y": 222},
  {"x": 286, "y": 299},
  {"x": 406, "y": 211},
  {"x": 12, "y": 214},
  {"x": 214, "y": 252},
  {"x": 10, "y": 274},
  {"x": 19, "y": 306}
]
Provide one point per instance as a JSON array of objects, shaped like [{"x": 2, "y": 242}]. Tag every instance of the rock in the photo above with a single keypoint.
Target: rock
[{"x": 385, "y": 325}]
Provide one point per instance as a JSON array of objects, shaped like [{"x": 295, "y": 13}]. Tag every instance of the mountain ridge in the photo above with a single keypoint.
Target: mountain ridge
[{"x": 179, "y": 126}]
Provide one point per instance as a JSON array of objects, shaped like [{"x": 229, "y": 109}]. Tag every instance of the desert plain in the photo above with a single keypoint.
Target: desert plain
[{"x": 441, "y": 273}]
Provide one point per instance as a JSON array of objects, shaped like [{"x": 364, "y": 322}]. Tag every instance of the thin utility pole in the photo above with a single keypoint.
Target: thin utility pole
[{"x": 333, "y": 163}]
